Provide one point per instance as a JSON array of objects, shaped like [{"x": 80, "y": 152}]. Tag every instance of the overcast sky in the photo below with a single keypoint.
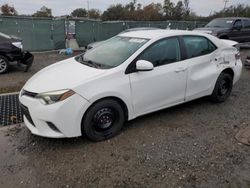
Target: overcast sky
[{"x": 63, "y": 7}]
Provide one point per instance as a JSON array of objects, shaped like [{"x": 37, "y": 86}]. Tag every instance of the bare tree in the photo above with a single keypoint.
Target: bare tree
[
  {"x": 43, "y": 12},
  {"x": 186, "y": 7},
  {"x": 8, "y": 10}
]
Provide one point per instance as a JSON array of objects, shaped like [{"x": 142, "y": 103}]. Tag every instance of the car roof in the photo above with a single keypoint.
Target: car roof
[
  {"x": 232, "y": 18},
  {"x": 142, "y": 28},
  {"x": 155, "y": 34}
]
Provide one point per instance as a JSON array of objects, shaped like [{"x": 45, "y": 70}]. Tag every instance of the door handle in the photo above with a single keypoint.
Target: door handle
[{"x": 180, "y": 69}]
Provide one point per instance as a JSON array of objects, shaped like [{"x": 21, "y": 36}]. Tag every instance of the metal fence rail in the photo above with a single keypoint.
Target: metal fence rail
[{"x": 40, "y": 34}]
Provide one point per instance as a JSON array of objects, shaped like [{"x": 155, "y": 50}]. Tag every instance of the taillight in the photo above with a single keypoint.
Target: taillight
[{"x": 237, "y": 56}]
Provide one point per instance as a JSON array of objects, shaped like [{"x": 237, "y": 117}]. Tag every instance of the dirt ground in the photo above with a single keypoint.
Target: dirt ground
[
  {"x": 14, "y": 80},
  {"x": 191, "y": 145}
]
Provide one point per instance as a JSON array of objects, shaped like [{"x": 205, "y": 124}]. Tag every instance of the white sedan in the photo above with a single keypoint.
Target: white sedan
[{"x": 129, "y": 75}]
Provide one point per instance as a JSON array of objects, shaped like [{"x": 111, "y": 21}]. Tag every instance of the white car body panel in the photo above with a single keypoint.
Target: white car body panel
[
  {"x": 56, "y": 74},
  {"x": 229, "y": 42},
  {"x": 202, "y": 75},
  {"x": 145, "y": 87},
  {"x": 141, "y": 92},
  {"x": 42, "y": 114}
]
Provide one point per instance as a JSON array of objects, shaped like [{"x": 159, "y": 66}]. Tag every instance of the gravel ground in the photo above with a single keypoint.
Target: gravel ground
[
  {"x": 14, "y": 80},
  {"x": 191, "y": 145}
]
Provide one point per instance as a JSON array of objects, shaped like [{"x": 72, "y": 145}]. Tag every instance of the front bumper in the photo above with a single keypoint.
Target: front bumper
[
  {"x": 59, "y": 120},
  {"x": 22, "y": 58}
]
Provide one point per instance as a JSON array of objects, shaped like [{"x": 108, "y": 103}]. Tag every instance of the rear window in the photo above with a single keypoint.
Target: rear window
[
  {"x": 198, "y": 46},
  {"x": 246, "y": 23},
  {"x": 221, "y": 23}
]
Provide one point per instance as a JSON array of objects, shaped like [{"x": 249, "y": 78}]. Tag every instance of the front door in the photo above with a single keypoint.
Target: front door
[{"x": 166, "y": 84}]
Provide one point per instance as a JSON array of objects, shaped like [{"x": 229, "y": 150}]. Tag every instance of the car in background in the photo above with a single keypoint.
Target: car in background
[
  {"x": 98, "y": 43},
  {"x": 130, "y": 75},
  {"x": 11, "y": 51},
  {"x": 232, "y": 28},
  {"x": 247, "y": 62}
]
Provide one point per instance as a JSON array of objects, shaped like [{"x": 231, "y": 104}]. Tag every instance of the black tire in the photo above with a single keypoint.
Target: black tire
[
  {"x": 223, "y": 88},
  {"x": 103, "y": 120},
  {"x": 4, "y": 65}
]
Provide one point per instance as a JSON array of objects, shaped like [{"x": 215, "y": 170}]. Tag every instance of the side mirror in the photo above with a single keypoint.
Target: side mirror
[{"x": 142, "y": 65}]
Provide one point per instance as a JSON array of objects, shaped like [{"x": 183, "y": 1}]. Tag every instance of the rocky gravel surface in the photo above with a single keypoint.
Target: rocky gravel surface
[{"x": 191, "y": 145}]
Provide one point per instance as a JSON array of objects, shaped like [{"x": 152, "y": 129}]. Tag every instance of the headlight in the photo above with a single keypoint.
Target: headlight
[
  {"x": 18, "y": 45},
  {"x": 54, "y": 96}
]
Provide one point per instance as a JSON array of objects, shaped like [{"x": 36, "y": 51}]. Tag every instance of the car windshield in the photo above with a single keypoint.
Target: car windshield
[
  {"x": 220, "y": 23},
  {"x": 112, "y": 52}
]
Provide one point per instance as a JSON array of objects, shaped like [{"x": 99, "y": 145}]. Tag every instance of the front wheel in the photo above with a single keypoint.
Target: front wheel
[
  {"x": 223, "y": 88},
  {"x": 103, "y": 120},
  {"x": 4, "y": 65}
]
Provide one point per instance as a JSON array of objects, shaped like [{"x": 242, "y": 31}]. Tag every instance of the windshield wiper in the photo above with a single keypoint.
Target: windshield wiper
[
  {"x": 94, "y": 64},
  {"x": 89, "y": 62}
]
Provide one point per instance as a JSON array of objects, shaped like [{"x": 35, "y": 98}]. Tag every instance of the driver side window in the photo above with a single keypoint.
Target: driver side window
[
  {"x": 238, "y": 24},
  {"x": 163, "y": 52}
]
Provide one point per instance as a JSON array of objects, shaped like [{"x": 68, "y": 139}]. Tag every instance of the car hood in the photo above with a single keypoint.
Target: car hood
[
  {"x": 210, "y": 30},
  {"x": 66, "y": 74},
  {"x": 11, "y": 40}
]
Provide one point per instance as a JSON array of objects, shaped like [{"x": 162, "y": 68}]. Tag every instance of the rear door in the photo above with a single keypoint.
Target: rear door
[
  {"x": 202, "y": 66},
  {"x": 236, "y": 34},
  {"x": 246, "y": 30}
]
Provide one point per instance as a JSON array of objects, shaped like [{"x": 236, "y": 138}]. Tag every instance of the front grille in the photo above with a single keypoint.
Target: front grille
[
  {"x": 26, "y": 113},
  {"x": 29, "y": 94}
]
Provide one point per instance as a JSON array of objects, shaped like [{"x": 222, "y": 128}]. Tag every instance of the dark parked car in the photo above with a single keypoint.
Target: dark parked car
[
  {"x": 11, "y": 51},
  {"x": 235, "y": 28},
  {"x": 247, "y": 62}
]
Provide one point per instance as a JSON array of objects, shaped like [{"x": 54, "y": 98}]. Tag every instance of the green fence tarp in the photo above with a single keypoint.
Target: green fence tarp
[
  {"x": 41, "y": 34},
  {"x": 91, "y": 31},
  {"x": 37, "y": 34}
]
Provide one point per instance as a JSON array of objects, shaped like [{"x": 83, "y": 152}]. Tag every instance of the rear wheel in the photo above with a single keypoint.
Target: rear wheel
[
  {"x": 103, "y": 120},
  {"x": 4, "y": 65},
  {"x": 223, "y": 88}
]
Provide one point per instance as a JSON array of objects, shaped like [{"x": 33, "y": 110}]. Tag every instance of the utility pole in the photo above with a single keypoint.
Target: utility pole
[
  {"x": 225, "y": 6},
  {"x": 88, "y": 7}
]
